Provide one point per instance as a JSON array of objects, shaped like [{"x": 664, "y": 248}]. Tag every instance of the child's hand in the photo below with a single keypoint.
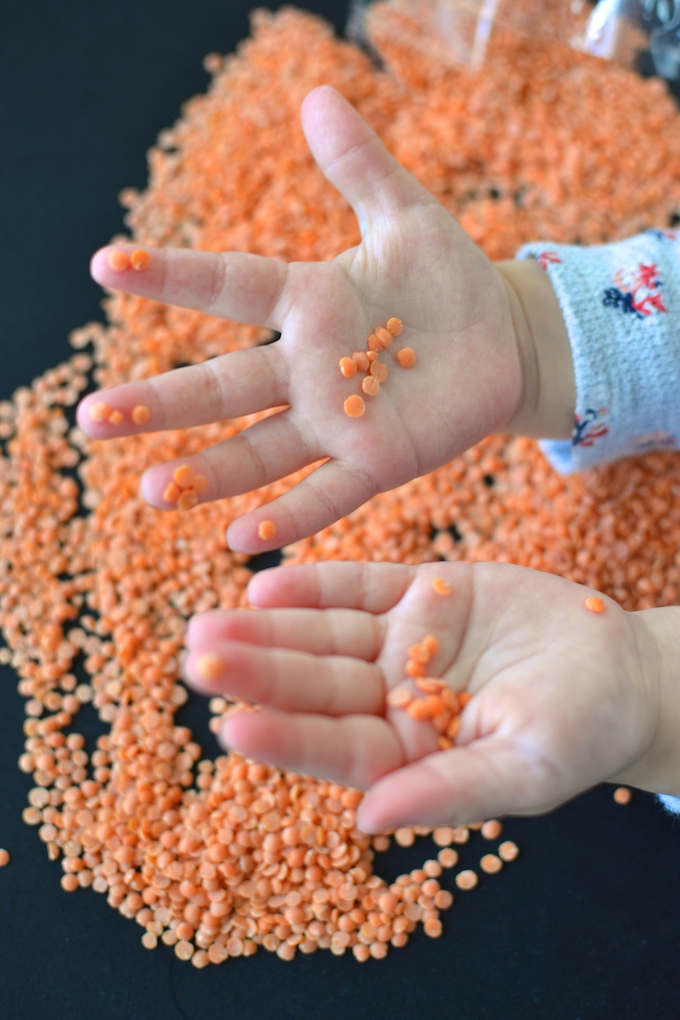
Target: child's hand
[
  {"x": 562, "y": 697},
  {"x": 414, "y": 263}
]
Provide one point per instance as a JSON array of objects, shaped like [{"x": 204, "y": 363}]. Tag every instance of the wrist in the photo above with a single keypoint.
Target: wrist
[
  {"x": 658, "y": 767},
  {"x": 546, "y": 405}
]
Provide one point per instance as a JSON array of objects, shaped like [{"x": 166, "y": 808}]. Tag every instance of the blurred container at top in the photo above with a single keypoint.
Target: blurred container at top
[{"x": 459, "y": 31}]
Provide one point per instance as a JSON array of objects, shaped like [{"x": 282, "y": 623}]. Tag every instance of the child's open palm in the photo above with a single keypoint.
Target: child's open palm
[
  {"x": 415, "y": 263},
  {"x": 562, "y": 697}
]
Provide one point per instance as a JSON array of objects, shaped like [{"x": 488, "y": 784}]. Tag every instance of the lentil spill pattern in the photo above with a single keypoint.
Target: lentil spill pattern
[{"x": 219, "y": 858}]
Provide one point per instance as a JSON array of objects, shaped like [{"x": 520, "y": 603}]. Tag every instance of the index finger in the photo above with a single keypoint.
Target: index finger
[{"x": 231, "y": 285}]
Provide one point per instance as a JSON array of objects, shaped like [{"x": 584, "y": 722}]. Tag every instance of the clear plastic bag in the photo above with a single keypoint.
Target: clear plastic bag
[{"x": 458, "y": 31}]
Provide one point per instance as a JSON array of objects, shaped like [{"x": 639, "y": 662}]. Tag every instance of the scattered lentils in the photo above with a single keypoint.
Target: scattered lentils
[{"x": 139, "y": 816}]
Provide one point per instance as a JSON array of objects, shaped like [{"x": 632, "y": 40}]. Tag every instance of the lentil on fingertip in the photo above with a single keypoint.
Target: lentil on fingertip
[
  {"x": 141, "y": 414},
  {"x": 266, "y": 530},
  {"x": 140, "y": 260},
  {"x": 118, "y": 260},
  {"x": 209, "y": 666}
]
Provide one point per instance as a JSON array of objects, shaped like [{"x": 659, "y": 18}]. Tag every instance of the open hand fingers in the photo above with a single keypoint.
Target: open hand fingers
[
  {"x": 288, "y": 679},
  {"x": 354, "y": 750},
  {"x": 232, "y": 285},
  {"x": 330, "y": 492},
  {"x": 264, "y": 452},
  {"x": 486, "y": 779},
  {"x": 336, "y": 632}
]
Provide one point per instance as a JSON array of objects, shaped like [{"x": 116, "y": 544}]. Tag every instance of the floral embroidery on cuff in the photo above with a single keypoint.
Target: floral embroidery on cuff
[
  {"x": 637, "y": 291},
  {"x": 589, "y": 428},
  {"x": 547, "y": 258}
]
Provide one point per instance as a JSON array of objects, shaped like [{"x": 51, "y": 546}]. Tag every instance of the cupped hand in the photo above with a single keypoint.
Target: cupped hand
[
  {"x": 562, "y": 697},
  {"x": 415, "y": 263}
]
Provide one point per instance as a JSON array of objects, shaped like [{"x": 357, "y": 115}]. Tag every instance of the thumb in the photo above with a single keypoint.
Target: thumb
[
  {"x": 488, "y": 778},
  {"x": 354, "y": 160}
]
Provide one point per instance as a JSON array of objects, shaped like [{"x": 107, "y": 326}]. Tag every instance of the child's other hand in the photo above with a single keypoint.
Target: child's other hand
[
  {"x": 414, "y": 263},
  {"x": 562, "y": 697}
]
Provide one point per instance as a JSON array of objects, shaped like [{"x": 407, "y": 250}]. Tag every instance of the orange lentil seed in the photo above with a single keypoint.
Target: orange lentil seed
[
  {"x": 508, "y": 851},
  {"x": 99, "y": 411},
  {"x": 385, "y": 336},
  {"x": 140, "y": 260},
  {"x": 354, "y": 406},
  {"x": 370, "y": 386},
  {"x": 466, "y": 879},
  {"x": 491, "y": 829},
  {"x": 118, "y": 260},
  {"x": 4, "y": 858},
  {"x": 395, "y": 326},
  {"x": 210, "y": 666},
  {"x": 348, "y": 367},
  {"x": 594, "y": 604},
  {"x": 183, "y": 475},
  {"x": 491, "y": 864},
  {"x": 406, "y": 357},
  {"x": 187, "y": 499},
  {"x": 137, "y": 580},
  {"x": 623, "y": 795},
  {"x": 140, "y": 414},
  {"x": 441, "y": 586},
  {"x": 266, "y": 530}
]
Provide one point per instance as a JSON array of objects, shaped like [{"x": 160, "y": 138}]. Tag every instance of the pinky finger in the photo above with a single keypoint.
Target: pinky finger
[{"x": 355, "y": 750}]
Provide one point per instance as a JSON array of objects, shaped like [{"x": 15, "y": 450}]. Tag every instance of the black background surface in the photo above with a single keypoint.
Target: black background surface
[{"x": 584, "y": 925}]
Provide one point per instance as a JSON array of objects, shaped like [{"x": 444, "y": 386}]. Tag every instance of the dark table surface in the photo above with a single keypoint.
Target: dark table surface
[{"x": 585, "y": 924}]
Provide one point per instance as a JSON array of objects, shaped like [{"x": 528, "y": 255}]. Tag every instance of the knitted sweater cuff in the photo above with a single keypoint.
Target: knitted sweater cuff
[{"x": 615, "y": 299}]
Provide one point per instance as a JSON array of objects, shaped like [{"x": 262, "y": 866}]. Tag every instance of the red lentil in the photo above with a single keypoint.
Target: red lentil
[
  {"x": 594, "y": 604},
  {"x": 4, "y": 858},
  {"x": 466, "y": 879},
  {"x": 348, "y": 367},
  {"x": 395, "y": 326},
  {"x": 508, "y": 851},
  {"x": 354, "y": 406},
  {"x": 118, "y": 260},
  {"x": 266, "y": 530},
  {"x": 141, "y": 414},
  {"x": 441, "y": 586},
  {"x": 385, "y": 336},
  {"x": 491, "y": 864},
  {"x": 99, "y": 411},
  {"x": 370, "y": 386},
  {"x": 140, "y": 260},
  {"x": 406, "y": 357},
  {"x": 134, "y": 576},
  {"x": 622, "y": 795},
  {"x": 491, "y": 829},
  {"x": 210, "y": 666}
]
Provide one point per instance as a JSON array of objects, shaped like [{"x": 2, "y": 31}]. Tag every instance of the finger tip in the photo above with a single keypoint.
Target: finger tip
[{"x": 100, "y": 271}]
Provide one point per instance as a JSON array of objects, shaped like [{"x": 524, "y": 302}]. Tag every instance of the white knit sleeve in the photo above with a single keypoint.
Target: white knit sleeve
[{"x": 621, "y": 305}]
